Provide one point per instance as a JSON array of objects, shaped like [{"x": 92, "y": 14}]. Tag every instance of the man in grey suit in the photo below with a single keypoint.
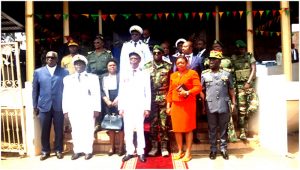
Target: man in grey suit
[
  {"x": 47, "y": 89},
  {"x": 218, "y": 89}
]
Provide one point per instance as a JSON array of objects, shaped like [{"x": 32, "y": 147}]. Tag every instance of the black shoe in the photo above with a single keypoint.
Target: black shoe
[
  {"x": 59, "y": 155},
  {"x": 121, "y": 152},
  {"x": 196, "y": 141},
  {"x": 111, "y": 152},
  {"x": 225, "y": 155},
  {"x": 75, "y": 156},
  {"x": 142, "y": 158},
  {"x": 127, "y": 157},
  {"x": 212, "y": 155},
  {"x": 44, "y": 156},
  {"x": 88, "y": 156}
]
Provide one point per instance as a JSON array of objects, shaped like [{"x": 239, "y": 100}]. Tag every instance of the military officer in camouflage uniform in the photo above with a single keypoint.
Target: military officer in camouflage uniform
[
  {"x": 226, "y": 65},
  {"x": 218, "y": 90},
  {"x": 244, "y": 72},
  {"x": 97, "y": 61},
  {"x": 160, "y": 72}
]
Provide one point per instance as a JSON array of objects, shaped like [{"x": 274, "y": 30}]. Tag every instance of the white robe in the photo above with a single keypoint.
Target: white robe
[
  {"x": 134, "y": 99},
  {"x": 80, "y": 100}
]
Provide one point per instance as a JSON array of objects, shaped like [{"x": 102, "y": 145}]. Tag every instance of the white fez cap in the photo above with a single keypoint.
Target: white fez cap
[
  {"x": 180, "y": 40},
  {"x": 79, "y": 57},
  {"x": 51, "y": 54},
  {"x": 136, "y": 28}
]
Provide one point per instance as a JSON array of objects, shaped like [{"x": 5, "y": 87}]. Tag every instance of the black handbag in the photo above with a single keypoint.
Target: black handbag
[{"x": 112, "y": 122}]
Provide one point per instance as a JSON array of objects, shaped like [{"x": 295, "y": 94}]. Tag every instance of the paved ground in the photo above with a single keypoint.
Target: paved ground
[{"x": 242, "y": 159}]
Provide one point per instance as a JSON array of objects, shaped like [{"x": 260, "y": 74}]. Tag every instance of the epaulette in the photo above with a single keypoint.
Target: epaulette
[
  {"x": 206, "y": 71},
  {"x": 90, "y": 52},
  {"x": 108, "y": 51}
]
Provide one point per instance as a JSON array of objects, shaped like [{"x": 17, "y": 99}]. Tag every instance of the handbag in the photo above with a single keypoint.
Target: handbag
[{"x": 112, "y": 122}]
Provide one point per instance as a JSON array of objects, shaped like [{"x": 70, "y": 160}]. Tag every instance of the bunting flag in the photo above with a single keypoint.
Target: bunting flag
[
  {"x": 287, "y": 11},
  {"x": 113, "y": 16},
  {"x": 148, "y": 15},
  {"x": 227, "y": 13},
  {"x": 39, "y": 16},
  {"x": 274, "y": 12},
  {"x": 75, "y": 16},
  {"x": 254, "y": 13},
  {"x": 256, "y": 32},
  {"x": 267, "y": 12},
  {"x": 193, "y": 15},
  {"x": 260, "y": 13},
  {"x": 166, "y": 14},
  {"x": 155, "y": 17},
  {"x": 104, "y": 16},
  {"x": 139, "y": 15},
  {"x": 221, "y": 14},
  {"x": 271, "y": 34},
  {"x": 280, "y": 12},
  {"x": 278, "y": 34},
  {"x": 200, "y": 14},
  {"x": 57, "y": 16},
  {"x": 179, "y": 15},
  {"x": 241, "y": 13},
  {"x": 186, "y": 14},
  {"x": 173, "y": 15},
  {"x": 214, "y": 13},
  {"x": 86, "y": 15},
  {"x": 48, "y": 16},
  {"x": 126, "y": 16},
  {"x": 234, "y": 13},
  {"x": 207, "y": 15},
  {"x": 94, "y": 17},
  {"x": 160, "y": 15}
]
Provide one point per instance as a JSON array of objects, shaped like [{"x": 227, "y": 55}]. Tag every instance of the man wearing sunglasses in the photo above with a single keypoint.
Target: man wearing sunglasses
[
  {"x": 47, "y": 89},
  {"x": 160, "y": 73}
]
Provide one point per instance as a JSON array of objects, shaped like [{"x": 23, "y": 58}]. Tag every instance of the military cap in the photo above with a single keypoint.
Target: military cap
[
  {"x": 51, "y": 54},
  {"x": 179, "y": 41},
  {"x": 136, "y": 28},
  {"x": 240, "y": 44},
  {"x": 218, "y": 42},
  {"x": 215, "y": 54},
  {"x": 136, "y": 53},
  {"x": 72, "y": 42},
  {"x": 79, "y": 57},
  {"x": 157, "y": 47}
]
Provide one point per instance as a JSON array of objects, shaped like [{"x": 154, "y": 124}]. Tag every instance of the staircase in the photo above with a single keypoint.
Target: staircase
[{"x": 101, "y": 142}]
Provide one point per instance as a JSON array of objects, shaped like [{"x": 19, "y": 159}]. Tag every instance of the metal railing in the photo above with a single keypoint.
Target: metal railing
[{"x": 11, "y": 101}]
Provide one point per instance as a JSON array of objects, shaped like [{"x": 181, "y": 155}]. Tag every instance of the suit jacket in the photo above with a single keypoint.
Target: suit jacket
[
  {"x": 47, "y": 90},
  {"x": 195, "y": 65},
  {"x": 297, "y": 56}
]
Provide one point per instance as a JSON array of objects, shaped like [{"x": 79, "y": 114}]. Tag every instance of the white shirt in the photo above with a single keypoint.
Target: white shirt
[
  {"x": 51, "y": 69},
  {"x": 201, "y": 52},
  {"x": 110, "y": 82}
]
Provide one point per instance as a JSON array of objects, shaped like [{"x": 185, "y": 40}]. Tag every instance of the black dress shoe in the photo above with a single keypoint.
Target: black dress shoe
[
  {"x": 88, "y": 156},
  {"x": 142, "y": 158},
  {"x": 196, "y": 141},
  {"x": 212, "y": 155},
  {"x": 75, "y": 156},
  {"x": 44, "y": 156},
  {"x": 121, "y": 152},
  {"x": 225, "y": 155},
  {"x": 59, "y": 155},
  {"x": 127, "y": 157}
]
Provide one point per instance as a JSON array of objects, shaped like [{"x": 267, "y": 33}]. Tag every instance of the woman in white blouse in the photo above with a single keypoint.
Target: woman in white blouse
[{"x": 109, "y": 94}]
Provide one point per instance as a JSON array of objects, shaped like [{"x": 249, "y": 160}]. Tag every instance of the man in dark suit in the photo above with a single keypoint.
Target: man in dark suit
[
  {"x": 295, "y": 54},
  {"x": 147, "y": 39},
  {"x": 47, "y": 89}
]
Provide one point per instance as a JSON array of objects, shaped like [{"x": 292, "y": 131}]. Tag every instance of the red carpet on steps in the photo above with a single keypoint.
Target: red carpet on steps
[{"x": 154, "y": 163}]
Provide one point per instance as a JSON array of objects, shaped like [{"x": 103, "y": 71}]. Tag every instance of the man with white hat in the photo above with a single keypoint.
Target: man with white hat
[
  {"x": 81, "y": 103},
  {"x": 135, "y": 44}
]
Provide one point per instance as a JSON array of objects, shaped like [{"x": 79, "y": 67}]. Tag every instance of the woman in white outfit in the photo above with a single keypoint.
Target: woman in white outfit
[{"x": 82, "y": 104}]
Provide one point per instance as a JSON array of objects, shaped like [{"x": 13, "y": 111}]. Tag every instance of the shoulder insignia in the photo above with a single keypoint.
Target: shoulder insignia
[
  {"x": 206, "y": 71},
  {"x": 90, "y": 52}
]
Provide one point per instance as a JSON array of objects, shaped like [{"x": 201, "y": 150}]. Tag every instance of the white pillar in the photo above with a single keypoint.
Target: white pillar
[
  {"x": 217, "y": 23},
  {"x": 100, "y": 29},
  {"x": 66, "y": 21}
]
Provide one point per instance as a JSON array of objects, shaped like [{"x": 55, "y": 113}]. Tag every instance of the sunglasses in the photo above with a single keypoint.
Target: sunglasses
[
  {"x": 51, "y": 58},
  {"x": 155, "y": 53}
]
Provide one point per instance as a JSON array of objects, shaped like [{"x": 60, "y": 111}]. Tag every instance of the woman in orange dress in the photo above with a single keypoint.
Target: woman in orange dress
[{"x": 181, "y": 105}]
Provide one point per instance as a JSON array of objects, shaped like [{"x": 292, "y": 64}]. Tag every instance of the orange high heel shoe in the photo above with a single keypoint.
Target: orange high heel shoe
[{"x": 178, "y": 156}]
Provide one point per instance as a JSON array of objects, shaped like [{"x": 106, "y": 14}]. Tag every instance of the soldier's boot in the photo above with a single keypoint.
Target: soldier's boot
[
  {"x": 154, "y": 149},
  {"x": 164, "y": 149},
  {"x": 243, "y": 135}
]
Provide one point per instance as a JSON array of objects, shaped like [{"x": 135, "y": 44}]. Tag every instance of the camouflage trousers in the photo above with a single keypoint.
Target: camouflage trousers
[
  {"x": 247, "y": 101},
  {"x": 158, "y": 125}
]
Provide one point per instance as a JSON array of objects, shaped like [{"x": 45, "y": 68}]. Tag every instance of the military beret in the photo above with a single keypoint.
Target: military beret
[
  {"x": 215, "y": 54},
  {"x": 79, "y": 57},
  {"x": 179, "y": 41},
  {"x": 157, "y": 47},
  {"x": 135, "y": 53},
  {"x": 218, "y": 42},
  {"x": 240, "y": 44},
  {"x": 51, "y": 54},
  {"x": 72, "y": 42},
  {"x": 136, "y": 28}
]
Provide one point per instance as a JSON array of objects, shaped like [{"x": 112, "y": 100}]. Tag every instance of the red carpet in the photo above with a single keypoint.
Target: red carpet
[{"x": 154, "y": 163}]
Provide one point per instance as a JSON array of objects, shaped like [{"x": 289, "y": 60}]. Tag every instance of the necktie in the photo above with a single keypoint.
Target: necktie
[
  {"x": 135, "y": 44},
  {"x": 79, "y": 77}
]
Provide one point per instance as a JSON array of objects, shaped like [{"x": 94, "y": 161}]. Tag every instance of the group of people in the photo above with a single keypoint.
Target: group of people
[{"x": 150, "y": 84}]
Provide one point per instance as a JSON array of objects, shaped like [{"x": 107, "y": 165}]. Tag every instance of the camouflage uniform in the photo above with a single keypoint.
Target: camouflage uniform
[
  {"x": 226, "y": 65},
  {"x": 247, "y": 99},
  {"x": 159, "y": 84},
  {"x": 97, "y": 62}
]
